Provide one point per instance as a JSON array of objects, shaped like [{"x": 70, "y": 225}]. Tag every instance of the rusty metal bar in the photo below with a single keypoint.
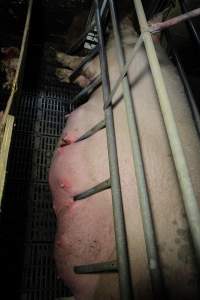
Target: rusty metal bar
[
  {"x": 145, "y": 206},
  {"x": 94, "y": 190},
  {"x": 119, "y": 221},
  {"x": 189, "y": 198}
]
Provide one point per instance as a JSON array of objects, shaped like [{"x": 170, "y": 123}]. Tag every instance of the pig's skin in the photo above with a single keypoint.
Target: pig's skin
[{"x": 85, "y": 229}]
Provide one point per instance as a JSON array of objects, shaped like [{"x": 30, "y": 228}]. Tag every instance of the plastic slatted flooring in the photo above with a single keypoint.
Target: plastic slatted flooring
[{"x": 39, "y": 121}]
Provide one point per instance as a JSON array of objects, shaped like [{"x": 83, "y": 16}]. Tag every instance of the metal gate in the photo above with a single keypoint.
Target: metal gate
[
  {"x": 189, "y": 199},
  {"x": 190, "y": 202}
]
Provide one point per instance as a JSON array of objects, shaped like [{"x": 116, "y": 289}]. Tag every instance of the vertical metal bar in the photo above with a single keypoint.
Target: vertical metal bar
[
  {"x": 119, "y": 222},
  {"x": 150, "y": 238},
  {"x": 189, "y": 198},
  {"x": 190, "y": 23},
  {"x": 188, "y": 91},
  {"x": 19, "y": 65}
]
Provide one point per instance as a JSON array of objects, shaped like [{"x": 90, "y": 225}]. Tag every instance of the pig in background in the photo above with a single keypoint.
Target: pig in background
[
  {"x": 9, "y": 62},
  {"x": 85, "y": 233}
]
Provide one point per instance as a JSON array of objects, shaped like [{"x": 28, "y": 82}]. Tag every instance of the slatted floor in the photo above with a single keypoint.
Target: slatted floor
[{"x": 28, "y": 226}]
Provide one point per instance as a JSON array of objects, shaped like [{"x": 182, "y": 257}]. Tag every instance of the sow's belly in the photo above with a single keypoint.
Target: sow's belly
[{"x": 85, "y": 232}]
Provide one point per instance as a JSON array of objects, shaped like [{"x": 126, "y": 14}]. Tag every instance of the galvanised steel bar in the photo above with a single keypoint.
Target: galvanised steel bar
[
  {"x": 93, "y": 130},
  {"x": 189, "y": 198},
  {"x": 88, "y": 58},
  {"x": 104, "y": 267},
  {"x": 124, "y": 71},
  {"x": 119, "y": 221},
  {"x": 190, "y": 23},
  {"x": 88, "y": 90},
  {"x": 145, "y": 206},
  {"x": 19, "y": 66},
  {"x": 185, "y": 82},
  {"x": 94, "y": 190}
]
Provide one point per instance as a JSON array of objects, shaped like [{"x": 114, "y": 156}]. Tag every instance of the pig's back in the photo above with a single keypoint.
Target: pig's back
[{"x": 85, "y": 164}]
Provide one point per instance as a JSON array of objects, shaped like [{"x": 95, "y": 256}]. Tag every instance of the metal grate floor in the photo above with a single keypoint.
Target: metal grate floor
[{"x": 39, "y": 121}]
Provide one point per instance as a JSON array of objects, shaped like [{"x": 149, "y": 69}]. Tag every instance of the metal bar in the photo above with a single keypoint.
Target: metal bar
[
  {"x": 189, "y": 198},
  {"x": 124, "y": 71},
  {"x": 92, "y": 131},
  {"x": 4, "y": 152},
  {"x": 149, "y": 231},
  {"x": 19, "y": 66},
  {"x": 173, "y": 21},
  {"x": 119, "y": 222},
  {"x": 105, "y": 267},
  {"x": 88, "y": 90},
  {"x": 89, "y": 57},
  {"x": 94, "y": 190},
  {"x": 188, "y": 91},
  {"x": 190, "y": 23}
]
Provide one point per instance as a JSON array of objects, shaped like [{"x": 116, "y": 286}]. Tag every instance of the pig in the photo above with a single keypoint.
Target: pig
[
  {"x": 85, "y": 229},
  {"x": 9, "y": 65}
]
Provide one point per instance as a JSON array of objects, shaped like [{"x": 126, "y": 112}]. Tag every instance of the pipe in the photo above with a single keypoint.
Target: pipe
[
  {"x": 189, "y": 198},
  {"x": 104, "y": 267},
  {"x": 124, "y": 71},
  {"x": 119, "y": 221},
  {"x": 93, "y": 130},
  {"x": 94, "y": 190},
  {"x": 173, "y": 21},
  {"x": 145, "y": 206}
]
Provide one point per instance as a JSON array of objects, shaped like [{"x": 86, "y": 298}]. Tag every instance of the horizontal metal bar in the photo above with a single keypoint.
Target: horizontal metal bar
[
  {"x": 119, "y": 221},
  {"x": 88, "y": 90},
  {"x": 189, "y": 197},
  {"x": 104, "y": 267},
  {"x": 188, "y": 91},
  {"x": 173, "y": 21},
  {"x": 88, "y": 58},
  {"x": 149, "y": 231},
  {"x": 93, "y": 130},
  {"x": 124, "y": 71},
  {"x": 94, "y": 190}
]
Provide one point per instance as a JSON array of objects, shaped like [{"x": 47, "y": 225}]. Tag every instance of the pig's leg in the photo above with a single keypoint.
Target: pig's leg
[
  {"x": 63, "y": 75},
  {"x": 68, "y": 61}
]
